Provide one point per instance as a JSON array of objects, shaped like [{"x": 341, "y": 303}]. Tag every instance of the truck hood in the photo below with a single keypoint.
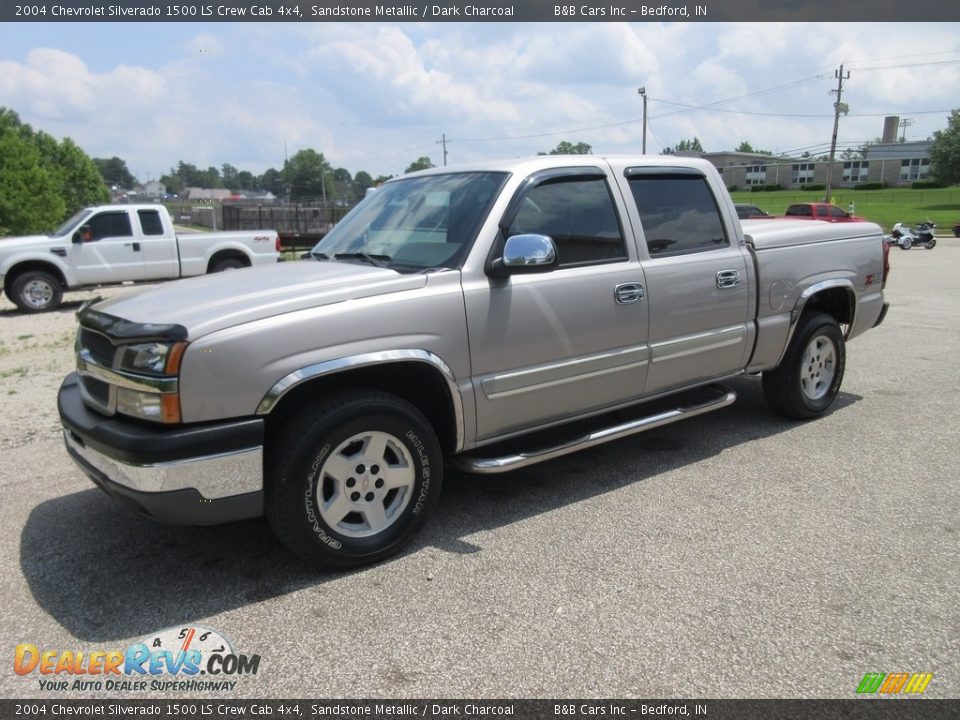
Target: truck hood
[
  {"x": 209, "y": 303},
  {"x": 31, "y": 241}
]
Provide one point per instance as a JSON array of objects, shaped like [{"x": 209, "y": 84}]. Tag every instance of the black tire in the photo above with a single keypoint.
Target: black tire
[
  {"x": 808, "y": 378},
  {"x": 339, "y": 461},
  {"x": 931, "y": 244},
  {"x": 906, "y": 244},
  {"x": 36, "y": 291},
  {"x": 227, "y": 264}
]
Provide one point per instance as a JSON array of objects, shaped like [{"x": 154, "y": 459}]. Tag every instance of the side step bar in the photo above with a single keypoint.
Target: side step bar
[{"x": 514, "y": 461}]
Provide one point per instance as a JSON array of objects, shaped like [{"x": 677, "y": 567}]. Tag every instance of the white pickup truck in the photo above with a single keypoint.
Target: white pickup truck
[{"x": 113, "y": 244}]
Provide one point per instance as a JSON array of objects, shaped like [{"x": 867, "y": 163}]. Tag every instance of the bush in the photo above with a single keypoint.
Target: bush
[
  {"x": 814, "y": 186},
  {"x": 875, "y": 185},
  {"x": 926, "y": 184},
  {"x": 771, "y": 188},
  {"x": 732, "y": 188}
]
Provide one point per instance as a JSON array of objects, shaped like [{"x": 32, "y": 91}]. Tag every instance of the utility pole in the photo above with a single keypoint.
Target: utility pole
[
  {"x": 642, "y": 91},
  {"x": 838, "y": 107},
  {"x": 444, "y": 143},
  {"x": 904, "y": 124}
]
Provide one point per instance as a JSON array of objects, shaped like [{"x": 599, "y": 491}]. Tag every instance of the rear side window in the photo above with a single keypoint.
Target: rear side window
[
  {"x": 678, "y": 213},
  {"x": 799, "y": 210},
  {"x": 150, "y": 222},
  {"x": 110, "y": 224},
  {"x": 578, "y": 213}
]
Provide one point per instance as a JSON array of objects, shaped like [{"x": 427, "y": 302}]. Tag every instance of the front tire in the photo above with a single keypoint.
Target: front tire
[
  {"x": 931, "y": 244},
  {"x": 36, "y": 291},
  {"x": 353, "y": 481},
  {"x": 808, "y": 378}
]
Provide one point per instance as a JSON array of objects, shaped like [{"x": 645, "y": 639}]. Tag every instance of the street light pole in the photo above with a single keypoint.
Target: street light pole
[{"x": 642, "y": 91}]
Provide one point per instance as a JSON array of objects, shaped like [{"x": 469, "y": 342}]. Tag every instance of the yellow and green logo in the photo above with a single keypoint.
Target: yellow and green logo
[{"x": 894, "y": 683}]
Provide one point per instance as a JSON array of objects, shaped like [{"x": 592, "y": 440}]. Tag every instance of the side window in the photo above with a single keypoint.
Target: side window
[
  {"x": 110, "y": 224},
  {"x": 822, "y": 211},
  {"x": 678, "y": 213},
  {"x": 838, "y": 212},
  {"x": 799, "y": 210},
  {"x": 578, "y": 213},
  {"x": 150, "y": 222}
]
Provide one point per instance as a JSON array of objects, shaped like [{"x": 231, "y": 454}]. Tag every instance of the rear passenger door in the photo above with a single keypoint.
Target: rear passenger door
[
  {"x": 698, "y": 284},
  {"x": 160, "y": 257}
]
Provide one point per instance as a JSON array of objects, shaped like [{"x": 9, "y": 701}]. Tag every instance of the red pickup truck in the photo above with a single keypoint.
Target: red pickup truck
[{"x": 821, "y": 211}]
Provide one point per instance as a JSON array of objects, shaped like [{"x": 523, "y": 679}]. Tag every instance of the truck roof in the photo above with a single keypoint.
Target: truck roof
[{"x": 541, "y": 162}]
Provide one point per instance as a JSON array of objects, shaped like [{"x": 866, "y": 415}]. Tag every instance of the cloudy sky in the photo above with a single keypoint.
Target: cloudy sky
[{"x": 375, "y": 97}]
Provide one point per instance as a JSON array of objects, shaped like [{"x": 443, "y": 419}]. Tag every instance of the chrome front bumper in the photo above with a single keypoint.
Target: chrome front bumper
[{"x": 193, "y": 475}]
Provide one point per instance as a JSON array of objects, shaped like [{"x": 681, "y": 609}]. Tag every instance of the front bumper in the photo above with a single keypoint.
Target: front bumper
[{"x": 190, "y": 475}]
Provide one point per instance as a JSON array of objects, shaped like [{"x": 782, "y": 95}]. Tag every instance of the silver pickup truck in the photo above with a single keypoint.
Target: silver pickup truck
[{"x": 486, "y": 318}]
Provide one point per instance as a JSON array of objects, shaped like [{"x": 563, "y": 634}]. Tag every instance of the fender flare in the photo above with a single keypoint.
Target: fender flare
[{"x": 338, "y": 365}]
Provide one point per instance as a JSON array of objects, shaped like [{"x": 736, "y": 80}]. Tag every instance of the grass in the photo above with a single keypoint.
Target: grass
[{"x": 884, "y": 207}]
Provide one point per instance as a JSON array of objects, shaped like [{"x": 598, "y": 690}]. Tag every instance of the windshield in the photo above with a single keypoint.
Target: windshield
[
  {"x": 415, "y": 224},
  {"x": 71, "y": 223}
]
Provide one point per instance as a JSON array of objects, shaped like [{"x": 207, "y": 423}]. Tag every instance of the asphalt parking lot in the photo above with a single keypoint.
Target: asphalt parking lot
[{"x": 732, "y": 555}]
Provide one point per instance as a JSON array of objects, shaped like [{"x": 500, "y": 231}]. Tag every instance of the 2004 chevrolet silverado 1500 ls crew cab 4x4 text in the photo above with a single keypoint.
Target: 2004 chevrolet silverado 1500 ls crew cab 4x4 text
[
  {"x": 113, "y": 244},
  {"x": 487, "y": 317}
]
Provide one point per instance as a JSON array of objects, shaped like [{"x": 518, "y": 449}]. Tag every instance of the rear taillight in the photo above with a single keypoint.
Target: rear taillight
[
  {"x": 278, "y": 243},
  {"x": 886, "y": 263}
]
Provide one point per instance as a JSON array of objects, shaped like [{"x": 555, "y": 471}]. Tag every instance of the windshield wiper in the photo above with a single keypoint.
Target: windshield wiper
[
  {"x": 319, "y": 255},
  {"x": 376, "y": 260}
]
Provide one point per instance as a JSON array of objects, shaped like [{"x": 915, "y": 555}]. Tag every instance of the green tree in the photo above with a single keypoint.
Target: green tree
[
  {"x": 568, "y": 148},
  {"x": 344, "y": 190},
  {"x": 363, "y": 180},
  {"x": 228, "y": 176},
  {"x": 42, "y": 180},
  {"x": 945, "y": 152},
  {"x": 75, "y": 173},
  {"x": 272, "y": 181},
  {"x": 306, "y": 175},
  {"x": 421, "y": 163},
  {"x": 246, "y": 180},
  {"x": 114, "y": 171},
  {"x": 684, "y": 146}
]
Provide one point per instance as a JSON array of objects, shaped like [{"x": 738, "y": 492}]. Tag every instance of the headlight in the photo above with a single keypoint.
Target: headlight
[
  {"x": 157, "y": 400},
  {"x": 153, "y": 358}
]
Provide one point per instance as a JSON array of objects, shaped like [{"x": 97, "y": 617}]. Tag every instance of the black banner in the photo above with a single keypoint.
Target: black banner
[
  {"x": 857, "y": 709},
  {"x": 479, "y": 11}
]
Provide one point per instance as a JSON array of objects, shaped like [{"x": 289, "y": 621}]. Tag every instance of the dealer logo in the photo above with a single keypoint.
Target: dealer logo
[{"x": 184, "y": 654}]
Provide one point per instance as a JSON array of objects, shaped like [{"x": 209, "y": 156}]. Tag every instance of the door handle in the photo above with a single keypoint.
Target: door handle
[
  {"x": 728, "y": 278},
  {"x": 627, "y": 293},
  {"x": 135, "y": 246}
]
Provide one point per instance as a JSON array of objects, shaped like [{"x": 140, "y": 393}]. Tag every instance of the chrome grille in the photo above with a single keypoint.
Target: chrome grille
[
  {"x": 99, "y": 347},
  {"x": 98, "y": 390}
]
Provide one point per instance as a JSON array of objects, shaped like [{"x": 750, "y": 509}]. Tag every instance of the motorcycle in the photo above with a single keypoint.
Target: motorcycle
[
  {"x": 906, "y": 237},
  {"x": 924, "y": 233}
]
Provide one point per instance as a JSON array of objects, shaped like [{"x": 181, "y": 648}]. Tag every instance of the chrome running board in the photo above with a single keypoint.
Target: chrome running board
[{"x": 471, "y": 463}]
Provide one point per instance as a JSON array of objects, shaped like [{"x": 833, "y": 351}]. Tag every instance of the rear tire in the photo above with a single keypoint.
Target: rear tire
[
  {"x": 36, "y": 291},
  {"x": 353, "y": 481},
  {"x": 808, "y": 378},
  {"x": 931, "y": 244},
  {"x": 227, "y": 264}
]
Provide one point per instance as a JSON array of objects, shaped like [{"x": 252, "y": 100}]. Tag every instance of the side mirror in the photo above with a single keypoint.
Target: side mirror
[{"x": 526, "y": 254}]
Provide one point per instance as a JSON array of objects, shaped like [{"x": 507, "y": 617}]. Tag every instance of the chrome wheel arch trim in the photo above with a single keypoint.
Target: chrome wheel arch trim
[
  {"x": 805, "y": 298},
  {"x": 338, "y": 365}
]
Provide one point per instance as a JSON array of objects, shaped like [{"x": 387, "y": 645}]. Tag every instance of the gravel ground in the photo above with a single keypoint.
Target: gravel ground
[{"x": 732, "y": 555}]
